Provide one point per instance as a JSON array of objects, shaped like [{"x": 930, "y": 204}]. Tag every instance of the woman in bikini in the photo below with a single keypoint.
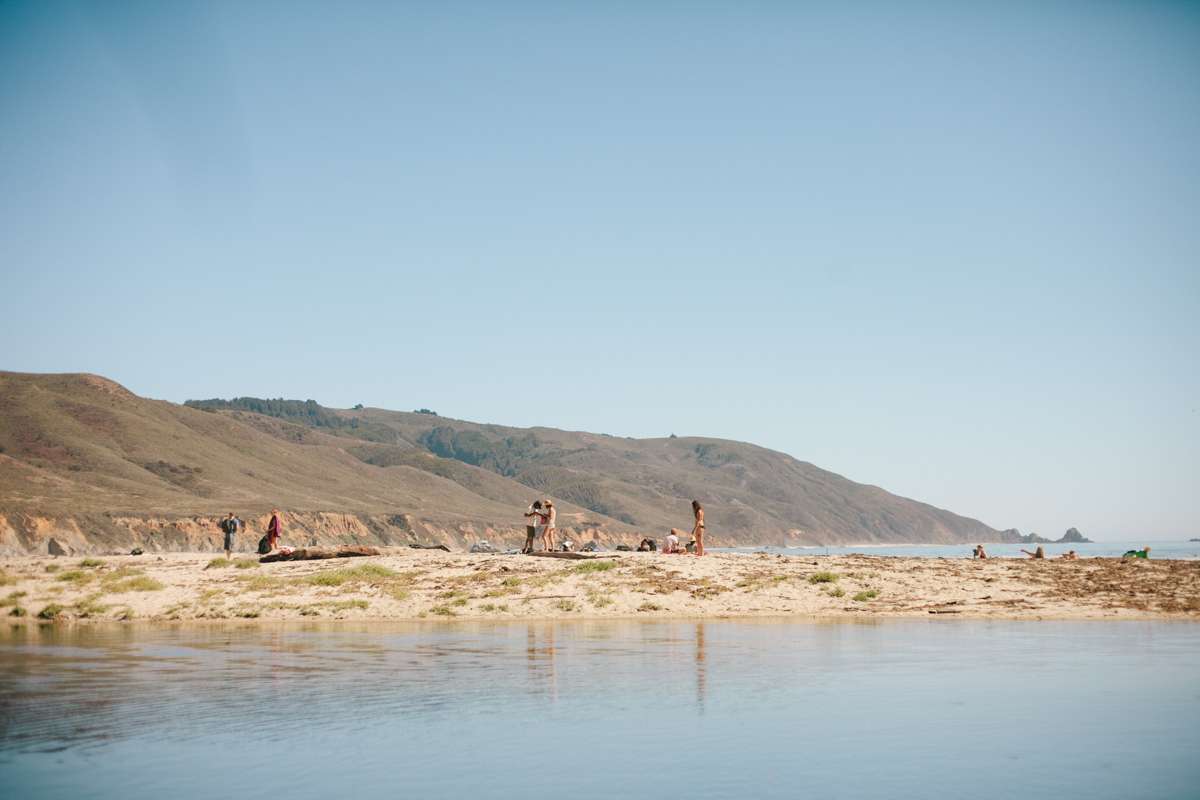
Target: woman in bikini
[
  {"x": 698, "y": 531},
  {"x": 548, "y": 514}
]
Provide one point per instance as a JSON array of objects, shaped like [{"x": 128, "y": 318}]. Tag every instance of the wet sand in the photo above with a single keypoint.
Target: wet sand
[{"x": 405, "y": 584}]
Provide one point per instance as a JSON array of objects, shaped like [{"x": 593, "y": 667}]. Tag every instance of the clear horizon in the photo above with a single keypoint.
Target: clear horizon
[{"x": 950, "y": 251}]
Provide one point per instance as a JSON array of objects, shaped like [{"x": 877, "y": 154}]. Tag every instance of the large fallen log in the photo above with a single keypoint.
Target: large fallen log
[
  {"x": 571, "y": 556},
  {"x": 314, "y": 553}
]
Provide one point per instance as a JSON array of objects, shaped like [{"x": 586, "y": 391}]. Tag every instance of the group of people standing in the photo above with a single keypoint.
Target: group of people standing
[
  {"x": 231, "y": 525},
  {"x": 540, "y": 523}
]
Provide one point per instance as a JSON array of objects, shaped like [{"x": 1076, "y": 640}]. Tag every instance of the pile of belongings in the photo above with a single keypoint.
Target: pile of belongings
[{"x": 483, "y": 546}]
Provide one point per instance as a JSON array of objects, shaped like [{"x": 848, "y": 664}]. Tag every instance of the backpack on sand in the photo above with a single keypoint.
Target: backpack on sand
[{"x": 264, "y": 545}]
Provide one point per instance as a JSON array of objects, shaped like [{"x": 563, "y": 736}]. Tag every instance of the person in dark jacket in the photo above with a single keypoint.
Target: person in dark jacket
[{"x": 230, "y": 526}]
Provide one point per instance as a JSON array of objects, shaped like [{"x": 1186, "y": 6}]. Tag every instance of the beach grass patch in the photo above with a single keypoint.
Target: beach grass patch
[
  {"x": 88, "y": 607},
  {"x": 12, "y": 599},
  {"x": 126, "y": 613},
  {"x": 511, "y": 581},
  {"x": 140, "y": 583},
  {"x": 343, "y": 605},
  {"x": 75, "y": 576},
  {"x": 309, "y": 611},
  {"x": 373, "y": 573},
  {"x": 648, "y": 606},
  {"x": 261, "y": 582},
  {"x": 399, "y": 593},
  {"x": 823, "y": 577},
  {"x": 442, "y": 611},
  {"x": 121, "y": 574},
  {"x": 52, "y": 568},
  {"x": 594, "y": 566},
  {"x": 6, "y": 579},
  {"x": 565, "y": 605},
  {"x": 92, "y": 562},
  {"x": 247, "y": 613},
  {"x": 867, "y": 596},
  {"x": 836, "y": 591},
  {"x": 601, "y": 601},
  {"x": 502, "y": 608},
  {"x": 50, "y": 611},
  {"x": 462, "y": 601},
  {"x": 18, "y": 612},
  {"x": 218, "y": 563},
  {"x": 246, "y": 563},
  {"x": 488, "y": 607},
  {"x": 709, "y": 591},
  {"x": 781, "y": 577},
  {"x": 452, "y": 593}
]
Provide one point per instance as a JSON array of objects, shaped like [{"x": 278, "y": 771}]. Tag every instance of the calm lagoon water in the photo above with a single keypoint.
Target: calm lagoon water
[{"x": 726, "y": 709}]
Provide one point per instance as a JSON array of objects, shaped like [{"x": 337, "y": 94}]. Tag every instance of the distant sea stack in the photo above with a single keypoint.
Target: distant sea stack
[
  {"x": 1013, "y": 536},
  {"x": 1073, "y": 537}
]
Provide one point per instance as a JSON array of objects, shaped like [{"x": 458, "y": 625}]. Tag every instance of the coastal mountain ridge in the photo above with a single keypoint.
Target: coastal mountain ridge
[{"x": 86, "y": 461}]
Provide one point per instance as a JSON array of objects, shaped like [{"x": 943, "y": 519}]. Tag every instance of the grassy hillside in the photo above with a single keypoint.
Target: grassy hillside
[{"x": 83, "y": 445}]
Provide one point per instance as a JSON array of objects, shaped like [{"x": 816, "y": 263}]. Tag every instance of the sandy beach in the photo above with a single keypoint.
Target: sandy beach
[{"x": 406, "y": 584}]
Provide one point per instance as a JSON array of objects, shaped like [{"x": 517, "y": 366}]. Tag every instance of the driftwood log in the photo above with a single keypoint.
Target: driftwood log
[
  {"x": 571, "y": 556},
  {"x": 313, "y": 553}
]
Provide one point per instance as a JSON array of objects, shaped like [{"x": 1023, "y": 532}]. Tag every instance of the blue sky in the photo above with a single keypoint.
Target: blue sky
[{"x": 949, "y": 249}]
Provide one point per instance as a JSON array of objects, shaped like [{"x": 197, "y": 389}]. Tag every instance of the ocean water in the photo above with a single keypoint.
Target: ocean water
[
  {"x": 603, "y": 709},
  {"x": 1160, "y": 550}
]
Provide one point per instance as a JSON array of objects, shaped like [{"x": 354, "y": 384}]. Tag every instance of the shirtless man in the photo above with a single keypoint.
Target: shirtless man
[{"x": 533, "y": 519}]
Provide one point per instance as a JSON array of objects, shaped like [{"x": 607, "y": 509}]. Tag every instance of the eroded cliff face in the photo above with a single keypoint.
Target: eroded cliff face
[{"x": 25, "y": 533}]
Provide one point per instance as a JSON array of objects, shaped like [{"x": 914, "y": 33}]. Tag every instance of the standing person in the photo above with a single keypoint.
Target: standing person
[
  {"x": 549, "y": 515},
  {"x": 273, "y": 529},
  {"x": 230, "y": 525},
  {"x": 533, "y": 521},
  {"x": 698, "y": 531}
]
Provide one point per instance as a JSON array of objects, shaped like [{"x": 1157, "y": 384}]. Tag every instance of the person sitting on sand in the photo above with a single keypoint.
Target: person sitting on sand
[
  {"x": 671, "y": 543},
  {"x": 979, "y": 552},
  {"x": 1039, "y": 554},
  {"x": 1071, "y": 554}
]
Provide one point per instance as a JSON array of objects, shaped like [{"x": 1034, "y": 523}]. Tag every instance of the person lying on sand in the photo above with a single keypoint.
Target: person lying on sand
[
  {"x": 1071, "y": 554},
  {"x": 1039, "y": 554}
]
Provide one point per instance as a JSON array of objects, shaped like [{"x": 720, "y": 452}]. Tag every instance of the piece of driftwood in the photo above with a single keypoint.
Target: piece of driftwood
[
  {"x": 430, "y": 547},
  {"x": 570, "y": 556},
  {"x": 315, "y": 553}
]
